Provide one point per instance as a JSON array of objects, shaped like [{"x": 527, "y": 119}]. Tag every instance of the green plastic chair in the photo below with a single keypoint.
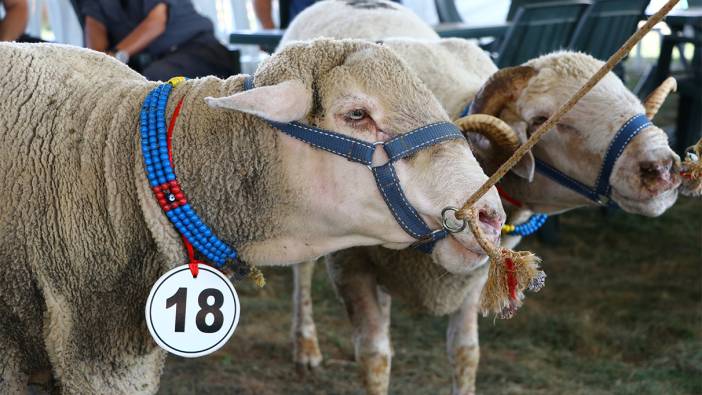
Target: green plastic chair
[
  {"x": 515, "y": 5},
  {"x": 606, "y": 25},
  {"x": 446, "y": 9},
  {"x": 538, "y": 29}
]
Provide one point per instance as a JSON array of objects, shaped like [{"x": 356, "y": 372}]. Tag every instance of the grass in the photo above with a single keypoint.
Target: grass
[{"x": 620, "y": 314}]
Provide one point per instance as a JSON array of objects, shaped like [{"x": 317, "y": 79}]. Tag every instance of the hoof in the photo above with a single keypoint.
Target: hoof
[{"x": 307, "y": 356}]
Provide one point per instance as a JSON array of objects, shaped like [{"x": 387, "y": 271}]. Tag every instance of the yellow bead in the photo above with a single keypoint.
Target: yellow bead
[{"x": 176, "y": 80}]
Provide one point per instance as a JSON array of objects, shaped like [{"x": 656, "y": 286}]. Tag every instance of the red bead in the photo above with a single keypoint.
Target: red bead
[{"x": 182, "y": 201}]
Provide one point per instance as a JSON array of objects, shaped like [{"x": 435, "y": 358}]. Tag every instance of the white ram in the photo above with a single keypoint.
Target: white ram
[{"x": 83, "y": 238}]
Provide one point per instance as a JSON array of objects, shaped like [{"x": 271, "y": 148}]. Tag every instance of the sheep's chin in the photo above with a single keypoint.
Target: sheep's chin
[
  {"x": 651, "y": 207},
  {"x": 456, "y": 258}
]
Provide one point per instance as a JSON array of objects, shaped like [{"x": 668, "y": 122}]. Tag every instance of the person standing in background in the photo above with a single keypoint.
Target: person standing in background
[
  {"x": 176, "y": 39},
  {"x": 14, "y": 23}
]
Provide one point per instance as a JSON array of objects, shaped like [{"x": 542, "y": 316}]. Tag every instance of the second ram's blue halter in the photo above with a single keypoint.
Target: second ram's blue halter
[
  {"x": 600, "y": 194},
  {"x": 397, "y": 148}
]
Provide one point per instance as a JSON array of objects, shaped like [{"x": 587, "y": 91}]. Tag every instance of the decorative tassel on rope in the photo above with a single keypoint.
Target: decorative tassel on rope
[
  {"x": 510, "y": 274},
  {"x": 691, "y": 171}
]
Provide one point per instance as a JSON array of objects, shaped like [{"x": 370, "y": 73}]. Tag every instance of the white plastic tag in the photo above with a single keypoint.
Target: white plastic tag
[{"x": 192, "y": 317}]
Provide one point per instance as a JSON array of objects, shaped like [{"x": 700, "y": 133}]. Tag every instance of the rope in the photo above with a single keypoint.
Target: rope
[{"x": 625, "y": 49}]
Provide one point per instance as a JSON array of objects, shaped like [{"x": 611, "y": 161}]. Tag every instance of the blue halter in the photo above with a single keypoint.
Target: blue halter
[
  {"x": 601, "y": 193},
  {"x": 397, "y": 148}
]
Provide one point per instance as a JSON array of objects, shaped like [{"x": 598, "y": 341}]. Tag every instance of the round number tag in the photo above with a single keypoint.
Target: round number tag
[{"x": 192, "y": 317}]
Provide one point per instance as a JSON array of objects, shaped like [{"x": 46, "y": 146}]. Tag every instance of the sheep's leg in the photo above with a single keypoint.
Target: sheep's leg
[
  {"x": 13, "y": 379},
  {"x": 100, "y": 344},
  {"x": 372, "y": 343},
  {"x": 462, "y": 338},
  {"x": 118, "y": 358},
  {"x": 306, "y": 354},
  {"x": 368, "y": 308}
]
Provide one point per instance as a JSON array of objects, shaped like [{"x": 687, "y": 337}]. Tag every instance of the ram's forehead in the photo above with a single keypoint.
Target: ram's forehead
[
  {"x": 567, "y": 64},
  {"x": 564, "y": 72},
  {"x": 376, "y": 57}
]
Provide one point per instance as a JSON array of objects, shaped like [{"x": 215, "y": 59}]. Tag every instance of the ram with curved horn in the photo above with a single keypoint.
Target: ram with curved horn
[{"x": 507, "y": 105}]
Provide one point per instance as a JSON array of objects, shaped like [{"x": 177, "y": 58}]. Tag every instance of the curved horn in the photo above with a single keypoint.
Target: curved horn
[
  {"x": 655, "y": 100},
  {"x": 493, "y": 128},
  {"x": 502, "y": 87}
]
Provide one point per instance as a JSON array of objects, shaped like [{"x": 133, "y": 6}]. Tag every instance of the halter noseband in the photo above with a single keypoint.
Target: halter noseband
[
  {"x": 397, "y": 148},
  {"x": 601, "y": 193}
]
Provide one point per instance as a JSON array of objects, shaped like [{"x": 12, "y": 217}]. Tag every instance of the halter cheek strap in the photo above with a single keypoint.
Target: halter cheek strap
[
  {"x": 601, "y": 193},
  {"x": 397, "y": 148}
]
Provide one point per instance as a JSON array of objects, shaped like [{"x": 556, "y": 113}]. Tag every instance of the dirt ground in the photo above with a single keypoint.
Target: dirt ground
[{"x": 621, "y": 313}]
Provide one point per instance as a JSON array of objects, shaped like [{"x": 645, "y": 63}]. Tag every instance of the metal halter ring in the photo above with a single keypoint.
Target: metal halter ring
[
  {"x": 376, "y": 144},
  {"x": 444, "y": 220}
]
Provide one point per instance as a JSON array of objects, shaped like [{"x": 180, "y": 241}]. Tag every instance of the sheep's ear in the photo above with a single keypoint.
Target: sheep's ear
[
  {"x": 285, "y": 102},
  {"x": 525, "y": 167}
]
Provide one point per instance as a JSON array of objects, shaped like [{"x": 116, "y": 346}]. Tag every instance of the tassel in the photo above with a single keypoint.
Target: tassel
[
  {"x": 691, "y": 171},
  {"x": 257, "y": 277},
  {"x": 510, "y": 274}
]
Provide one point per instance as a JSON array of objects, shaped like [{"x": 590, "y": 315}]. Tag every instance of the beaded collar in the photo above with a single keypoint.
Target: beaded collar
[{"x": 158, "y": 162}]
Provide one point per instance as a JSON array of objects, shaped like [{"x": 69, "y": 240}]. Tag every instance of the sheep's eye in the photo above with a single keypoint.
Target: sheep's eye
[{"x": 356, "y": 115}]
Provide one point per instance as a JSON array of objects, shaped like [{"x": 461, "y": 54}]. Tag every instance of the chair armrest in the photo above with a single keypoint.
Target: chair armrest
[
  {"x": 267, "y": 38},
  {"x": 463, "y": 31}
]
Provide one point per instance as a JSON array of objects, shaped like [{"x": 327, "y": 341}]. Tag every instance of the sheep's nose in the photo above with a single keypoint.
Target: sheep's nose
[
  {"x": 657, "y": 175},
  {"x": 491, "y": 219}
]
